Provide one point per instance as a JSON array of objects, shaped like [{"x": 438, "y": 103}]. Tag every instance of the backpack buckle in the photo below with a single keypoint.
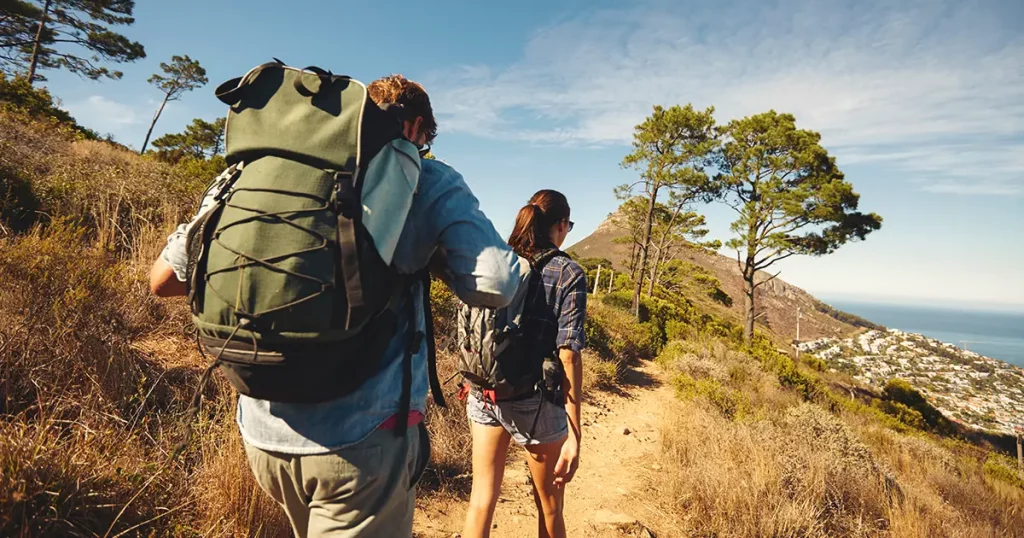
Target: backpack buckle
[{"x": 343, "y": 198}]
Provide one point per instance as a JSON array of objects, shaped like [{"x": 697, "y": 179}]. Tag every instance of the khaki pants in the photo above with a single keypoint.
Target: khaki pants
[{"x": 364, "y": 490}]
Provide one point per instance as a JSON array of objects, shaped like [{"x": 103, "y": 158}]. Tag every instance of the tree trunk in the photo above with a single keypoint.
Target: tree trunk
[
  {"x": 658, "y": 258},
  {"x": 153, "y": 123},
  {"x": 643, "y": 251},
  {"x": 37, "y": 45},
  {"x": 632, "y": 260},
  {"x": 748, "y": 305}
]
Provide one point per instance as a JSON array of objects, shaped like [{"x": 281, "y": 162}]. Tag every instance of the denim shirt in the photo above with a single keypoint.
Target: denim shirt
[{"x": 480, "y": 268}]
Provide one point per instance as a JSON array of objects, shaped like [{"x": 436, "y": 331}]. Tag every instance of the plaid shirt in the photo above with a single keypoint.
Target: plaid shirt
[{"x": 558, "y": 308}]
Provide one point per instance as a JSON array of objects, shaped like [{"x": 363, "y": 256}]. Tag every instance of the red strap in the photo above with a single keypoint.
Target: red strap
[
  {"x": 490, "y": 396},
  {"x": 463, "y": 391}
]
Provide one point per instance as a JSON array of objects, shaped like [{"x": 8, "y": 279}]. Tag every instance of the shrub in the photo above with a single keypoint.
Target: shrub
[
  {"x": 783, "y": 366},
  {"x": 730, "y": 403},
  {"x": 1000, "y": 467},
  {"x": 17, "y": 95},
  {"x": 601, "y": 374},
  {"x": 909, "y": 416},
  {"x": 898, "y": 391},
  {"x": 444, "y": 307}
]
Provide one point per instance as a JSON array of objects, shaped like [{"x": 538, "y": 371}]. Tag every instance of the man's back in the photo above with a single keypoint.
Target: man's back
[{"x": 480, "y": 267}]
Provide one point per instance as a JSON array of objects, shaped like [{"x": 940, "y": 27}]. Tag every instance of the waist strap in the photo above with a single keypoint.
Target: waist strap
[{"x": 479, "y": 394}]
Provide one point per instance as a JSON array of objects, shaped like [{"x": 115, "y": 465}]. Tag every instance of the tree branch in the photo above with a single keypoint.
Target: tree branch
[
  {"x": 767, "y": 280},
  {"x": 774, "y": 258}
]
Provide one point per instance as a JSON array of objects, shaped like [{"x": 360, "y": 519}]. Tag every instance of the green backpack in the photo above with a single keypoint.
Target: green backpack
[{"x": 289, "y": 271}]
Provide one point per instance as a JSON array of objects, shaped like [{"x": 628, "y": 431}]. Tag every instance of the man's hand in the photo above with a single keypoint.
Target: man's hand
[
  {"x": 163, "y": 282},
  {"x": 568, "y": 462}
]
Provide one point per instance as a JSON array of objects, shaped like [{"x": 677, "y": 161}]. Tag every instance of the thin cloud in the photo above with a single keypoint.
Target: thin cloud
[
  {"x": 105, "y": 115},
  {"x": 901, "y": 85}
]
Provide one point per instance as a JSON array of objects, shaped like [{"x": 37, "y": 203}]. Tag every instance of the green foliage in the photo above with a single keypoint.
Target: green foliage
[
  {"x": 899, "y": 391},
  {"x": 790, "y": 195},
  {"x": 204, "y": 170},
  {"x": 906, "y": 415},
  {"x": 815, "y": 363},
  {"x": 682, "y": 277},
  {"x": 75, "y": 36},
  {"x": 670, "y": 150},
  {"x": 762, "y": 349},
  {"x": 201, "y": 140},
  {"x": 17, "y": 95},
  {"x": 731, "y": 403},
  {"x": 182, "y": 75},
  {"x": 590, "y": 264},
  {"x": 846, "y": 317},
  {"x": 613, "y": 333},
  {"x": 444, "y": 305},
  {"x": 1002, "y": 468}
]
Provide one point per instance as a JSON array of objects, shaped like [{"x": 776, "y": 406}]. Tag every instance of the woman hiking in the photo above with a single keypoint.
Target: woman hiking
[{"x": 545, "y": 422}]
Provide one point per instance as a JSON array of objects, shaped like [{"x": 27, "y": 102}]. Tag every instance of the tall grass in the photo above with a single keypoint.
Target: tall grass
[
  {"x": 754, "y": 449},
  {"x": 94, "y": 372}
]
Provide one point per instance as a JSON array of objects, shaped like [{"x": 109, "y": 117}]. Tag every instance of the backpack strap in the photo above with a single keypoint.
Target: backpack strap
[
  {"x": 435, "y": 382},
  {"x": 542, "y": 257}
]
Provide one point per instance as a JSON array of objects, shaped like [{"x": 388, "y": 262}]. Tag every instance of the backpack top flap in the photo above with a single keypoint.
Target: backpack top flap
[
  {"x": 308, "y": 115},
  {"x": 388, "y": 188}
]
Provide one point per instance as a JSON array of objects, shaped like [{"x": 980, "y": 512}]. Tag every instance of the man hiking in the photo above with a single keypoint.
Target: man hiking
[{"x": 348, "y": 466}]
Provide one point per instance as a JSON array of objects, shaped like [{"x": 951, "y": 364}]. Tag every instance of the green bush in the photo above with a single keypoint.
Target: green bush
[
  {"x": 613, "y": 333},
  {"x": 899, "y": 391},
  {"x": 729, "y": 402},
  {"x": 762, "y": 349},
  {"x": 444, "y": 306},
  {"x": 1000, "y": 467},
  {"x": 17, "y": 95},
  {"x": 907, "y": 415}
]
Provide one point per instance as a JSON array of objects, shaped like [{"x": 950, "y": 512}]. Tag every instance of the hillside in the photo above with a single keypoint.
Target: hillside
[
  {"x": 778, "y": 299},
  {"x": 688, "y": 430}
]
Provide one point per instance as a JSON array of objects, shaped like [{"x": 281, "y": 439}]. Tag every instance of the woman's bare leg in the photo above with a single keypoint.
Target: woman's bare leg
[
  {"x": 490, "y": 447},
  {"x": 549, "y": 499}
]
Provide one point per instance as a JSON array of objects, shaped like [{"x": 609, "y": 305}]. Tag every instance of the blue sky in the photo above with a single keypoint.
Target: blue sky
[{"x": 922, "y": 103}]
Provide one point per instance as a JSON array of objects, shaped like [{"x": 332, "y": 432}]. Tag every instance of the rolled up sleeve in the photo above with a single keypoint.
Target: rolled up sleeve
[
  {"x": 572, "y": 297},
  {"x": 479, "y": 265}
]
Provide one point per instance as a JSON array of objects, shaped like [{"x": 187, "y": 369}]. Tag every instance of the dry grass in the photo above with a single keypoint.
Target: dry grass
[
  {"x": 773, "y": 465},
  {"x": 229, "y": 502},
  {"x": 95, "y": 373},
  {"x": 449, "y": 472}
]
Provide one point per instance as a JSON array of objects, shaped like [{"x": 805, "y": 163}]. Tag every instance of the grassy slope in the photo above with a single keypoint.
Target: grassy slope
[{"x": 94, "y": 375}]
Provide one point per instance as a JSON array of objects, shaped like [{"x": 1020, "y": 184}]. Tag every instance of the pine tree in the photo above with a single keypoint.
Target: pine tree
[{"x": 60, "y": 34}]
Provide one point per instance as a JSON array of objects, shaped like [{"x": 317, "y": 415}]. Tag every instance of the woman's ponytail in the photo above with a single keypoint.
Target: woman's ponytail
[{"x": 532, "y": 231}]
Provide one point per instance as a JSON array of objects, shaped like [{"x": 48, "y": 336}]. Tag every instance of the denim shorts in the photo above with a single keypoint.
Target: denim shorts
[{"x": 517, "y": 417}]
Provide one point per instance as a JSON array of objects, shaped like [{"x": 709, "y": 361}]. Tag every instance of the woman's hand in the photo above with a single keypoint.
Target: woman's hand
[{"x": 568, "y": 462}]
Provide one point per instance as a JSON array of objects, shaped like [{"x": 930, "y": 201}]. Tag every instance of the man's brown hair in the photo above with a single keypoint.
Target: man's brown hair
[{"x": 396, "y": 89}]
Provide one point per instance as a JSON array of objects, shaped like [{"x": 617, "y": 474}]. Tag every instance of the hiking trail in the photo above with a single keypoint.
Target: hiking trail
[{"x": 607, "y": 496}]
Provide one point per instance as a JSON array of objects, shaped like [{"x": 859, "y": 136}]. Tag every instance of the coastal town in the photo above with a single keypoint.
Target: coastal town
[{"x": 968, "y": 388}]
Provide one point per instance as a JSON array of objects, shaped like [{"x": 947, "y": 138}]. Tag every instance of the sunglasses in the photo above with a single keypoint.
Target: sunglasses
[{"x": 571, "y": 224}]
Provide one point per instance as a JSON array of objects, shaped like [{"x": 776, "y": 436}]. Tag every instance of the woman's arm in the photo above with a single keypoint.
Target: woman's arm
[
  {"x": 572, "y": 297},
  {"x": 572, "y": 386}
]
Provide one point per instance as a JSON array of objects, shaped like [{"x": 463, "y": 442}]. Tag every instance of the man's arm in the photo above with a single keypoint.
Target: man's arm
[
  {"x": 475, "y": 262},
  {"x": 162, "y": 280}
]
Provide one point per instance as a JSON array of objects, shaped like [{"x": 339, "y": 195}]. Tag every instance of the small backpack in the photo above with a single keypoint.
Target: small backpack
[
  {"x": 496, "y": 353},
  {"x": 289, "y": 271}
]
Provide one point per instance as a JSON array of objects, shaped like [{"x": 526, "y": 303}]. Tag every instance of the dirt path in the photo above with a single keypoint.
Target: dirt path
[{"x": 615, "y": 470}]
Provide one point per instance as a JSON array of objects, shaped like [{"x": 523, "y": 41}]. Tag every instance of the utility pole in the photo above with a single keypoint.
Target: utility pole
[
  {"x": 597, "y": 281},
  {"x": 1020, "y": 451},
  {"x": 611, "y": 280}
]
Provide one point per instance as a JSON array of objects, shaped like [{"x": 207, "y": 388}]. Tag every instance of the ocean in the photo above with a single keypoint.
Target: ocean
[{"x": 999, "y": 335}]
